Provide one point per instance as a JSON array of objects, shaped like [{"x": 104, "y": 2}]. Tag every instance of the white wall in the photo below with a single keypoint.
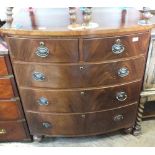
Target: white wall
[{"x": 3, "y": 12}]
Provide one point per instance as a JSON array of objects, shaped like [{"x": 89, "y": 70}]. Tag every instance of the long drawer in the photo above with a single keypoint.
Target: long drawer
[
  {"x": 13, "y": 131},
  {"x": 84, "y": 100},
  {"x": 81, "y": 124},
  {"x": 110, "y": 48},
  {"x": 10, "y": 110},
  {"x": 79, "y": 75},
  {"x": 44, "y": 49}
]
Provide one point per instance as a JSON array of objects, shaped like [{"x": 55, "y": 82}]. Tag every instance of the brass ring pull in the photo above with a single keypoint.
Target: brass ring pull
[
  {"x": 81, "y": 67},
  {"x": 122, "y": 72},
  {"x": 46, "y": 125},
  {"x": 118, "y": 118},
  {"x": 42, "y": 101},
  {"x": 82, "y": 93},
  {"x": 121, "y": 96},
  {"x": 42, "y": 51},
  {"x": 2, "y": 131},
  {"x": 38, "y": 76},
  {"x": 118, "y": 47}
]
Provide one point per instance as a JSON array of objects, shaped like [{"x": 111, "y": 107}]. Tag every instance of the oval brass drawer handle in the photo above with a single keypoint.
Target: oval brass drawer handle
[
  {"x": 42, "y": 51},
  {"x": 82, "y": 93},
  {"x": 122, "y": 72},
  {"x": 42, "y": 101},
  {"x": 46, "y": 125},
  {"x": 38, "y": 76},
  {"x": 118, "y": 118},
  {"x": 2, "y": 131},
  {"x": 81, "y": 68},
  {"x": 118, "y": 47},
  {"x": 121, "y": 96}
]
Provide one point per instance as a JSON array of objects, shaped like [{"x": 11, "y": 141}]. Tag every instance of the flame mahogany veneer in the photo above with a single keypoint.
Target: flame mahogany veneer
[{"x": 83, "y": 82}]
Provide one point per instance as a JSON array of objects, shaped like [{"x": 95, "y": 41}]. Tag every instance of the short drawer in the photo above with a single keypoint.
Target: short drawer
[
  {"x": 100, "y": 49},
  {"x": 3, "y": 67},
  {"x": 13, "y": 131},
  {"x": 60, "y": 124},
  {"x": 6, "y": 89},
  {"x": 79, "y": 75},
  {"x": 78, "y": 101},
  {"x": 44, "y": 50},
  {"x": 10, "y": 110}
]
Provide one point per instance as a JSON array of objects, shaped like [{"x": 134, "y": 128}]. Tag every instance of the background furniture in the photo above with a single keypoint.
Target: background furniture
[
  {"x": 148, "y": 93},
  {"x": 78, "y": 83},
  {"x": 147, "y": 102},
  {"x": 12, "y": 121}
]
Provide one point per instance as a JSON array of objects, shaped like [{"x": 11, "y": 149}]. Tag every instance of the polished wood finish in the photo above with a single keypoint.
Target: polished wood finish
[
  {"x": 99, "y": 49},
  {"x": 81, "y": 124},
  {"x": 3, "y": 69},
  {"x": 73, "y": 76},
  {"x": 80, "y": 74},
  {"x": 9, "y": 110},
  {"x": 6, "y": 90},
  {"x": 60, "y": 50},
  {"x": 12, "y": 120},
  {"x": 13, "y": 131},
  {"x": 87, "y": 100}
]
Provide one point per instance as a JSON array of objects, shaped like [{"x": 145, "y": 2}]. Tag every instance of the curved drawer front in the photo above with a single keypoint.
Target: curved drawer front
[
  {"x": 44, "y": 50},
  {"x": 100, "y": 49},
  {"x": 79, "y": 76},
  {"x": 12, "y": 131},
  {"x": 6, "y": 90},
  {"x": 78, "y": 101},
  {"x": 9, "y": 110},
  {"x": 81, "y": 124}
]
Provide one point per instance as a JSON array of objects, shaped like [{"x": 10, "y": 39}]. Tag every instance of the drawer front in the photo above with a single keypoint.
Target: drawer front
[
  {"x": 99, "y": 49},
  {"x": 44, "y": 50},
  {"x": 82, "y": 124},
  {"x": 9, "y": 110},
  {"x": 6, "y": 90},
  {"x": 78, "y": 101},
  {"x": 75, "y": 76},
  {"x": 3, "y": 67},
  {"x": 12, "y": 131}
]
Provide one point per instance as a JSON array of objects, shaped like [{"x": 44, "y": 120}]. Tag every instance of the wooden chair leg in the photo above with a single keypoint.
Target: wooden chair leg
[{"x": 137, "y": 127}]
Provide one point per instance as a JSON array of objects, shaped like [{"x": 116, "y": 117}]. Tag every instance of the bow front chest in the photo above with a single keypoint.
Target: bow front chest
[{"x": 78, "y": 82}]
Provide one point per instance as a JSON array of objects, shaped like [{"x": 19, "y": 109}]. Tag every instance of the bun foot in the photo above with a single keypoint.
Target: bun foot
[
  {"x": 37, "y": 138},
  {"x": 128, "y": 130}
]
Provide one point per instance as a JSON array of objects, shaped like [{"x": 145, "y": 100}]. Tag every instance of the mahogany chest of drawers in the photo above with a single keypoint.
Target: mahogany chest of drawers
[
  {"x": 78, "y": 83},
  {"x": 12, "y": 121}
]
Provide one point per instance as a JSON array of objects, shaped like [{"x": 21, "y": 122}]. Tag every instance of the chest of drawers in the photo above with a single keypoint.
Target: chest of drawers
[
  {"x": 79, "y": 83},
  {"x": 12, "y": 120}
]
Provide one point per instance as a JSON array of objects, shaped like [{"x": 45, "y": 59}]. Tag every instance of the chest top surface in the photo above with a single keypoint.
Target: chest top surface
[{"x": 55, "y": 21}]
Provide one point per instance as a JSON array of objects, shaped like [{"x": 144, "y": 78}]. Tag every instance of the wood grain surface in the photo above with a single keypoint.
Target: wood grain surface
[
  {"x": 81, "y": 124},
  {"x": 60, "y": 50},
  {"x": 9, "y": 110},
  {"x": 73, "y": 76},
  {"x": 78, "y": 101},
  {"x": 13, "y": 131}
]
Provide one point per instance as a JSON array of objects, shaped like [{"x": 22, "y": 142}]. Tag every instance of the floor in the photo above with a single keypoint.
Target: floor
[{"x": 109, "y": 140}]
